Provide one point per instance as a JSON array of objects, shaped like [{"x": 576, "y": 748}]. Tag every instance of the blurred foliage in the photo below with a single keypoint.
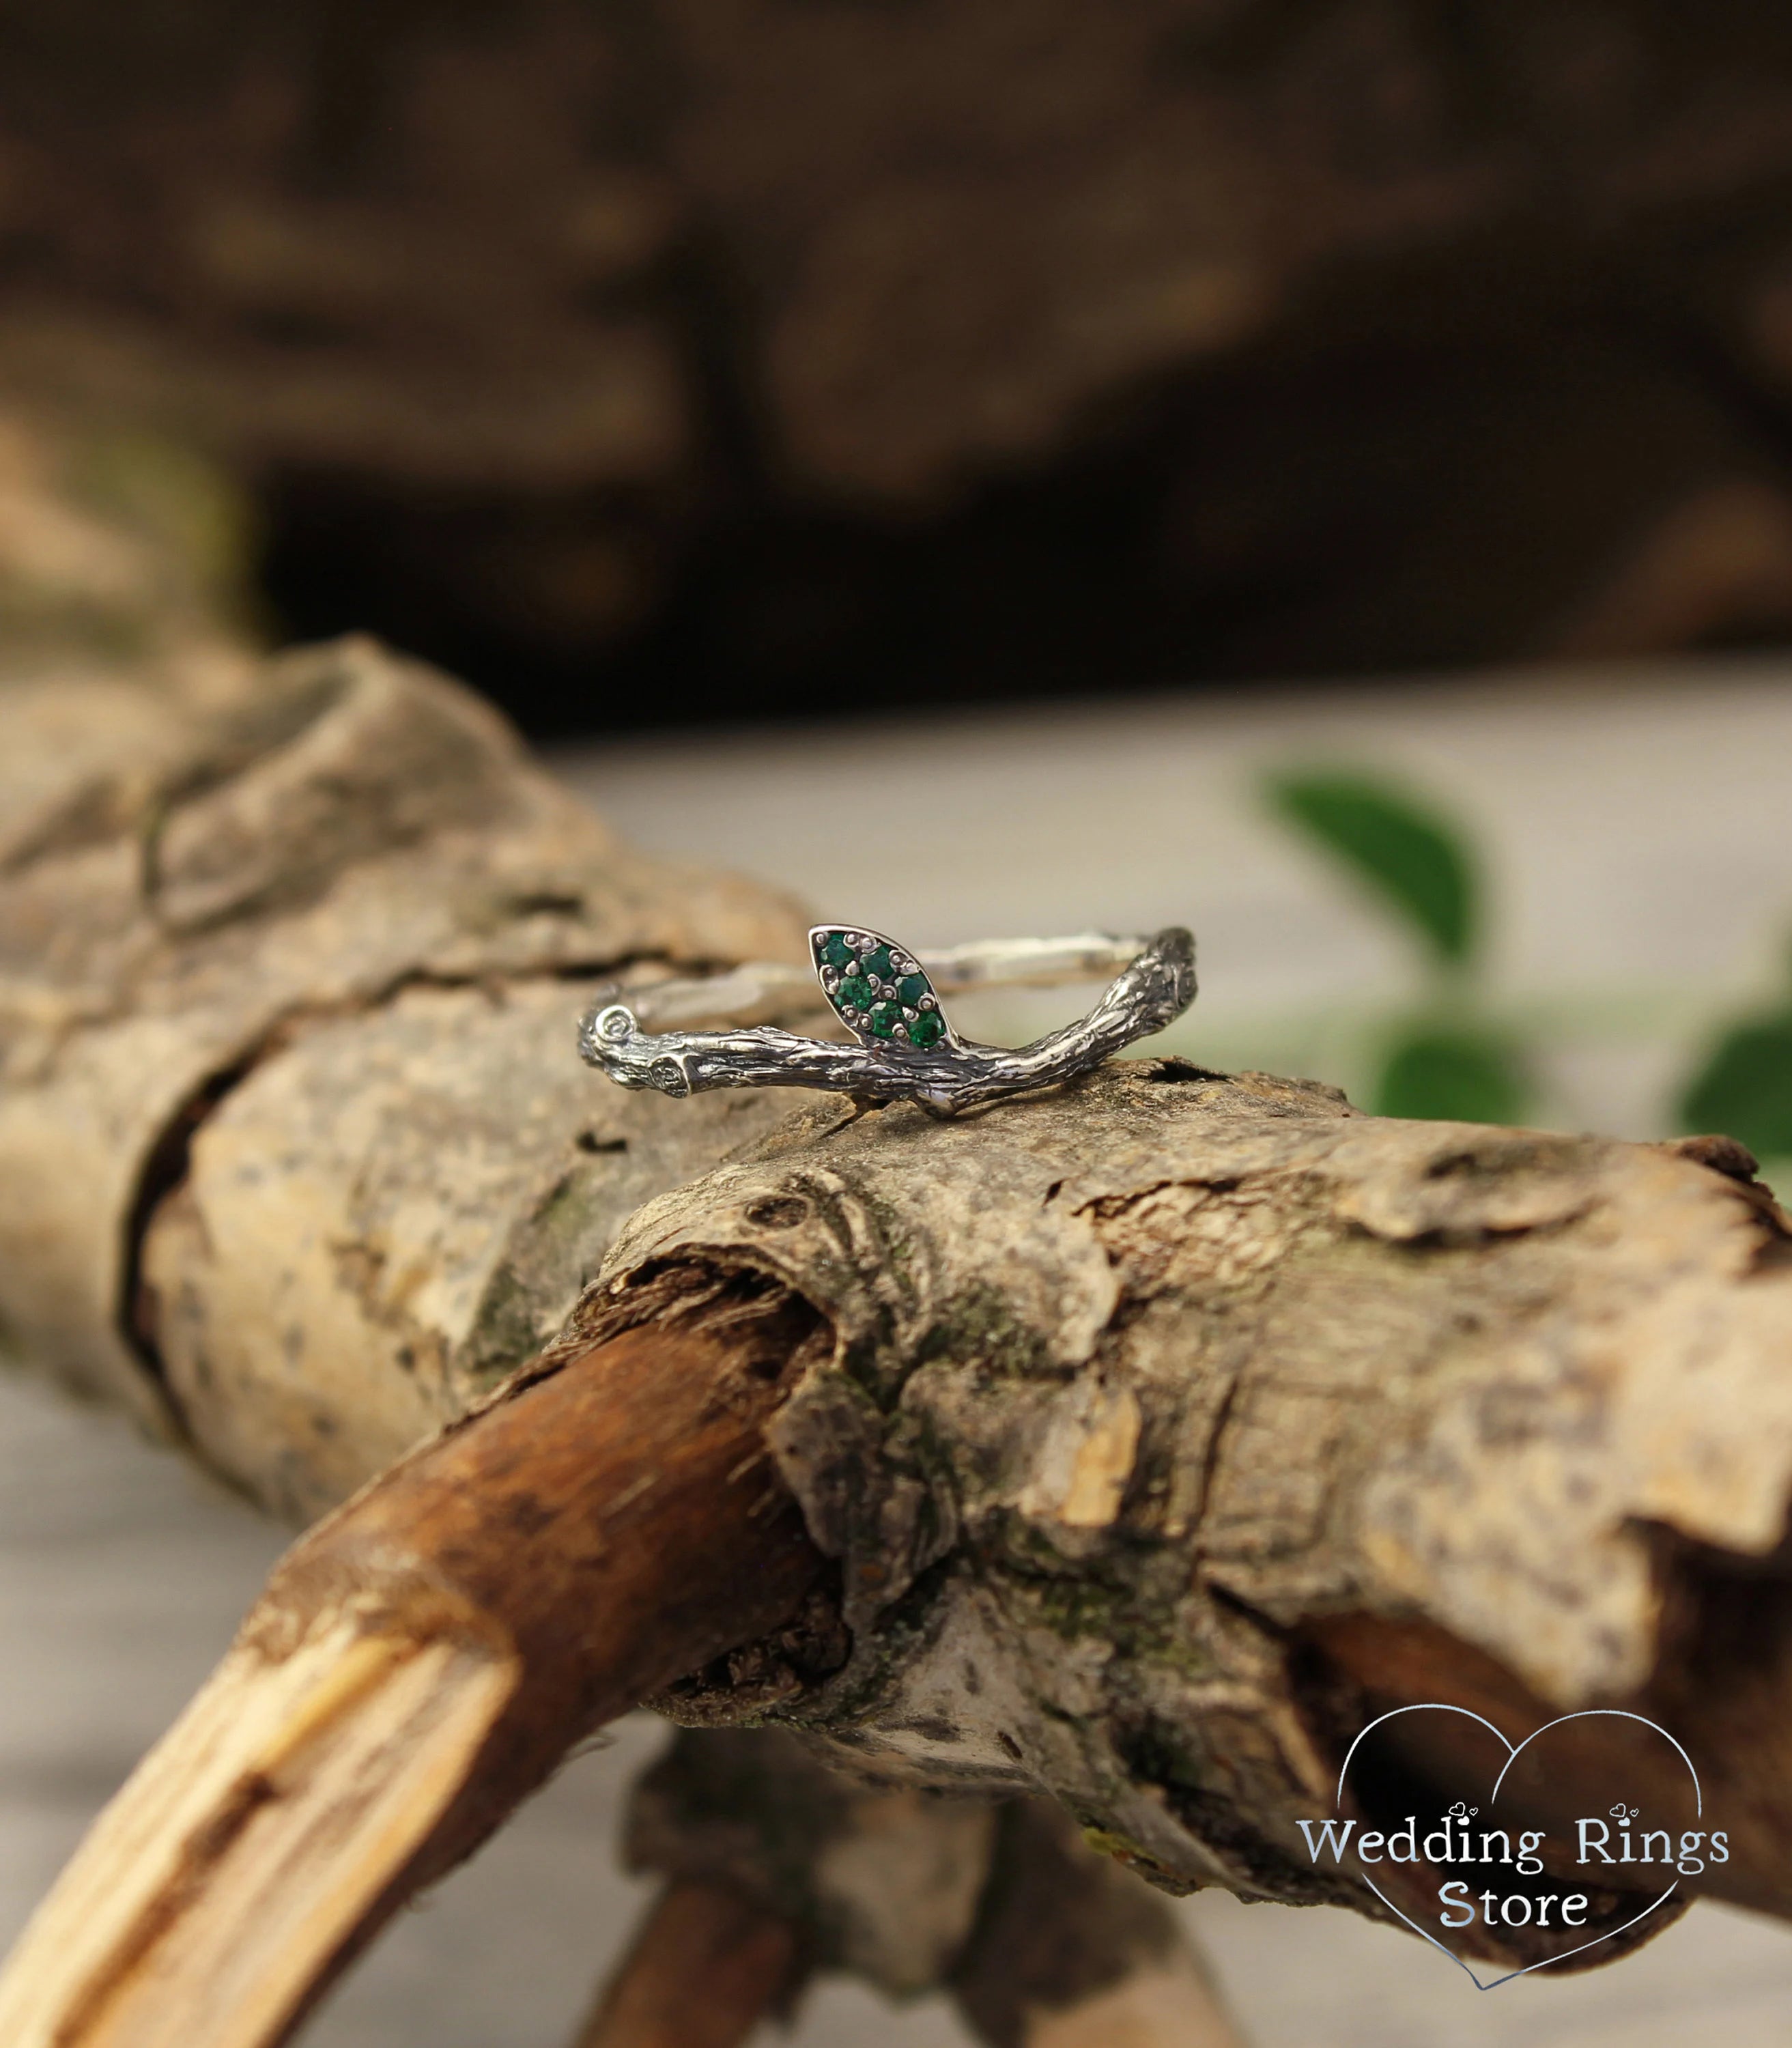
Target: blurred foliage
[
  {"x": 1744, "y": 1089},
  {"x": 1453, "y": 1074},
  {"x": 1408, "y": 856},
  {"x": 1448, "y": 1060}
]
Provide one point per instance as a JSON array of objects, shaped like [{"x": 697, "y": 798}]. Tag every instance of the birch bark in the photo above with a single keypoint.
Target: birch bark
[{"x": 1163, "y": 1425}]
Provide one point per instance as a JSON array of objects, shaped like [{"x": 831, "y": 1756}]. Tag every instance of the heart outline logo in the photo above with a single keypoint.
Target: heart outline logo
[{"x": 1514, "y": 1751}]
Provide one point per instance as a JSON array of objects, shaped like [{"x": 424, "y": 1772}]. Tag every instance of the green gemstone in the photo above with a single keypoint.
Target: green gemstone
[
  {"x": 884, "y": 1017},
  {"x": 912, "y": 988},
  {"x": 854, "y": 992},
  {"x": 831, "y": 950},
  {"x": 927, "y": 1030},
  {"x": 876, "y": 962}
]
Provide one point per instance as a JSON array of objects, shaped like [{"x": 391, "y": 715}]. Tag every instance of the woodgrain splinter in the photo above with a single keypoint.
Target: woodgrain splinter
[{"x": 416, "y": 1665}]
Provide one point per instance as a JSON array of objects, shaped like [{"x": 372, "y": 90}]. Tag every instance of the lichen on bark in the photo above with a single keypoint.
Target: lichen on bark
[
  {"x": 1135, "y": 1382},
  {"x": 1155, "y": 1413}
]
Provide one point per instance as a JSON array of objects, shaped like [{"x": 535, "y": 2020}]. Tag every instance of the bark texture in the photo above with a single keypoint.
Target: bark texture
[
  {"x": 1159, "y": 1427},
  {"x": 1136, "y": 1384},
  {"x": 294, "y": 1146},
  {"x": 418, "y": 1664}
]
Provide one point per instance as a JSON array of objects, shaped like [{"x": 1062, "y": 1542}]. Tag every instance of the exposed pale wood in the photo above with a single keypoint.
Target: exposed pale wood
[
  {"x": 1132, "y": 1646},
  {"x": 418, "y": 1664},
  {"x": 1118, "y": 1407},
  {"x": 252, "y": 1841}
]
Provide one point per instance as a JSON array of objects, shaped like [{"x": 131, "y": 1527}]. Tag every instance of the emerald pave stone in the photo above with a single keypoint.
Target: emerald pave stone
[
  {"x": 927, "y": 1030},
  {"x": 864, "y": 966}
]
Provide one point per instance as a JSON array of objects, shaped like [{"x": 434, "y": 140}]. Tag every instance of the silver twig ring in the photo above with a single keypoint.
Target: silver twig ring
[{"x": 888, "y": 998}]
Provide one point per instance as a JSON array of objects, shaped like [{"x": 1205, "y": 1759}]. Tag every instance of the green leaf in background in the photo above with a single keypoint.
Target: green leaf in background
[
  {"x": 1461, "y": 1076},
  {"x": 1416, "y": 860},
  {"x": 1746, "y": 1089}
]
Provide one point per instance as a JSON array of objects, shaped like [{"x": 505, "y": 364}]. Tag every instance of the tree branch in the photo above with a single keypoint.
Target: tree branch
[
  {"x": 706, "y": 1967},
  {"x": 418, "y": 1663},
  {"x": 1153, "y": 1429}
]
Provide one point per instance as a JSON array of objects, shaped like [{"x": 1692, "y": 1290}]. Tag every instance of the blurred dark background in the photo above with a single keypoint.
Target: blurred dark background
[{"x": 654, "y": 361}]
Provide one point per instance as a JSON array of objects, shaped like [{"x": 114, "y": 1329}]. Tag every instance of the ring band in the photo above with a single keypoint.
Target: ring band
[{"x": 904, "y": 1049}]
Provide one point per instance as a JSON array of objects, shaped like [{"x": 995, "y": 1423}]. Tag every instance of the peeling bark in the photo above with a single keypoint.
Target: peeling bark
[
  {"x": 1135, "y": 1384},
  {"x": 292, "y": 1141},
  {"x": 1160, "y": 1426}
]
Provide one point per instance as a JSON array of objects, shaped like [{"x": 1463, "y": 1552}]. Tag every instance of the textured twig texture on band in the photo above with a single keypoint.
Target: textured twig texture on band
[{"x": 905, "y": 1048}]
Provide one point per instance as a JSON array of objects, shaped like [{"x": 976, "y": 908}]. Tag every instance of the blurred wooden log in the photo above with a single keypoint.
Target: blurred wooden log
[
  {"x": 1072, "y": 1951},
  {"x": 706, "y": 1967},
  {"x": 471, "y": 254},
  {"x": 515, "y": 322},
  {"x": 1063, "y": 1949}
]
